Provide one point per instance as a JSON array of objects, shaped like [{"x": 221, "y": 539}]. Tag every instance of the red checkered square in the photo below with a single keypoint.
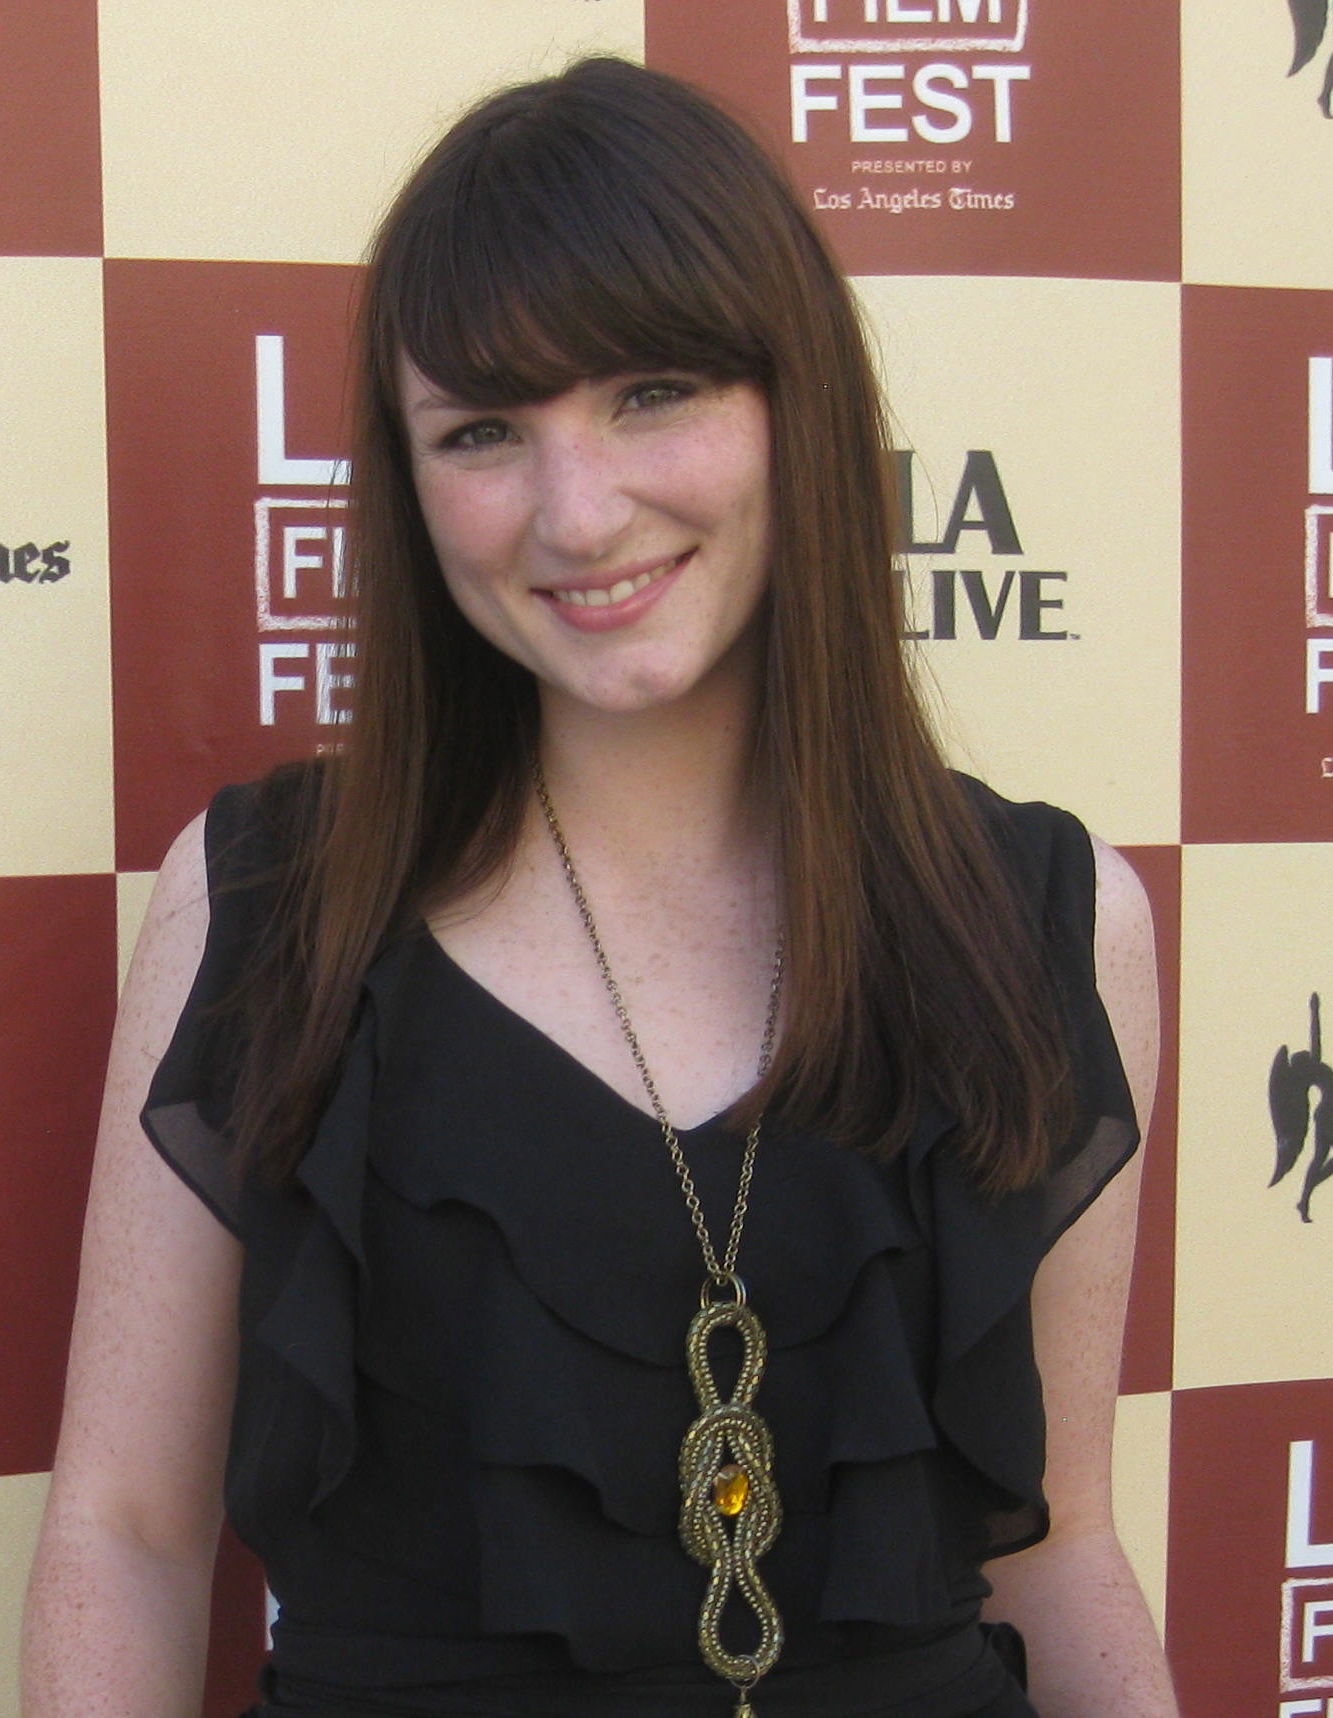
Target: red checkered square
[
  {"x": 1019, "y": 137},
  {"x": 50, "y": 144},
  {"x": 1250, "y": 1600},
  {"x": 58, "y": 981},
  {"x": 225, "y": 386},
  {"x": 1257, "y": 596}
]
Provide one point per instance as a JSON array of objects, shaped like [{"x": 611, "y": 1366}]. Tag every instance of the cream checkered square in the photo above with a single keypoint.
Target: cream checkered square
[
  {"x": 277, "y": 130},
  {"x": 1258, "y": 153},
  {"x": 1072, "y": 388},
  {"x": 1252, "y": 1280},
  {"x": 55, "y": 690}
]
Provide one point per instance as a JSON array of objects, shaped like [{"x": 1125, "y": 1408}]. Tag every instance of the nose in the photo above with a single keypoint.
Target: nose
[{"x": 581, "y": 504}]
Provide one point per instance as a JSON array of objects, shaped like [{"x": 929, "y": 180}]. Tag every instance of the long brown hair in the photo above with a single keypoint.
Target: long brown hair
[{"x": 609, "y": 220}]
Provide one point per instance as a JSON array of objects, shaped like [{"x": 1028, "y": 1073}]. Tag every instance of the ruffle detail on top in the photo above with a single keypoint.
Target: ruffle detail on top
[
  {"x": 481, "y": 1287},
  {"x": 310, "y": 1324},
  {"x": 568, "y": 1273}
]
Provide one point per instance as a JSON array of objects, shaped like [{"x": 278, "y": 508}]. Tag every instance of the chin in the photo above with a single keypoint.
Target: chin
[
  {"x": 624, "y": 700},
  {"x": 632, "y": 692},
  {"x": 633, "y": 700}
]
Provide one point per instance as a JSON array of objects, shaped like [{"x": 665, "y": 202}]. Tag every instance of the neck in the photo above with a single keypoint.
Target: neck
[{"x": 659, "y": 783}]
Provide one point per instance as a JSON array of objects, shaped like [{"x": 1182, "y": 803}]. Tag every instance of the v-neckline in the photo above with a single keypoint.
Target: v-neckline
[{"x": 711, "y": 1124}]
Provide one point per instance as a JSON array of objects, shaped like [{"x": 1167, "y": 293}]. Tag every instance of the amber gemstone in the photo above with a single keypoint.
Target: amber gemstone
[{"x": 731, "y": 1489}]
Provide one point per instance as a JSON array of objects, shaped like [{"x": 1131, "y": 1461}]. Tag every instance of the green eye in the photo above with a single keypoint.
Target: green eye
[
  {"x": 488, "y": 432},
  {"x": 651, "y": 396}
]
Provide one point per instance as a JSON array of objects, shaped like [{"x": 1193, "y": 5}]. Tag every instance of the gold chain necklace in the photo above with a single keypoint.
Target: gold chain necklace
[{"x": 730, "y": 1510}]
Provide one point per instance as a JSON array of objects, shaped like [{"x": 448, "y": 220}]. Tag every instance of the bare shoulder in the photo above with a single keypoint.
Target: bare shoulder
[
  {"x": 166, "y": 960},
  {"x": 177, "y": 920},
  {"x": 1127, "y": 969},
  {"x": 1124, "y": 914},
  {"x": 169, "y": 949}
]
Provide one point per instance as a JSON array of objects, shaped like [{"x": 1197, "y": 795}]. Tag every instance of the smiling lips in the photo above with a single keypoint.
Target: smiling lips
[
  {"x": 599, "y": 597},
  {"x": 600, "y": 606}
]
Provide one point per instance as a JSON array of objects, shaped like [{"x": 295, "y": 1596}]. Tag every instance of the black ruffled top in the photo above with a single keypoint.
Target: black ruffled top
[{"x": 462, "y": 1381}]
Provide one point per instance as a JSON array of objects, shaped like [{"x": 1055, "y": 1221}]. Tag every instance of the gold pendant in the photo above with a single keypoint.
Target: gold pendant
[{"x": 730, "y": 1510}]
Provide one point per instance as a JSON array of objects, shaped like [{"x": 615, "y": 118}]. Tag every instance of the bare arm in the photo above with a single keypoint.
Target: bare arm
[
  {"x": 117, "y": 1618},
  {"x": 1092, "y": 1648}
]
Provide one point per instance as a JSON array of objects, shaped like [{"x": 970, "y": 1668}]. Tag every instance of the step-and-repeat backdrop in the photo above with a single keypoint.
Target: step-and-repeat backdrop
[{"x": 1096, "y": 247}]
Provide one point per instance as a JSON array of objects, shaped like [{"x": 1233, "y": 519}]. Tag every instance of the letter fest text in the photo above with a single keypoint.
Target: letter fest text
[
  {"x": 1307, "y": 1596},
  {"x": 957, "y": 76},
  {"x": 300, "y": 575}
]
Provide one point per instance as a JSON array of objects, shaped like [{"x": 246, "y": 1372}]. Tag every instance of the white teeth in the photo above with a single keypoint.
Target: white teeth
[{"x": 594, "y": 597}]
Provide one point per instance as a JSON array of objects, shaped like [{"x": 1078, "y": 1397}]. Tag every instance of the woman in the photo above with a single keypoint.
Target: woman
[{"x": 638, "y": 939}]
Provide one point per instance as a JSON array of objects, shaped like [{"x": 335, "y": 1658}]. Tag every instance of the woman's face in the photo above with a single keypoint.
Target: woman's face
[{"x": 614, "y": 539}]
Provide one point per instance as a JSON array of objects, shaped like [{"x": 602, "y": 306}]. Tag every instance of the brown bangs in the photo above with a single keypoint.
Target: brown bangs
[{"x": 535, "y": 254}]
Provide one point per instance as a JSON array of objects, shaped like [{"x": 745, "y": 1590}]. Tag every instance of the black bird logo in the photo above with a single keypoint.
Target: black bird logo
[
  {"x": 1290, "y": 1082},
  {"x": 1309, "y": 19}
]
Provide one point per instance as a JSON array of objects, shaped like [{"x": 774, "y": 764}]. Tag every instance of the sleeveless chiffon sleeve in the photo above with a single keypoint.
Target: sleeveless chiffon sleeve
[{"x": 187, "y": 1112}]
